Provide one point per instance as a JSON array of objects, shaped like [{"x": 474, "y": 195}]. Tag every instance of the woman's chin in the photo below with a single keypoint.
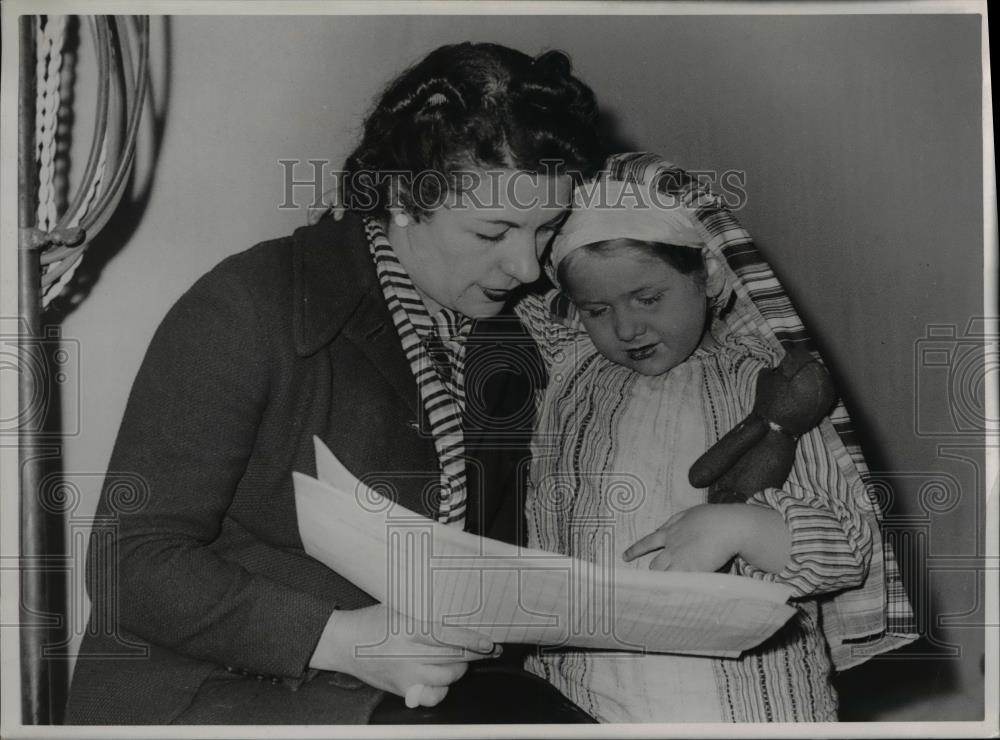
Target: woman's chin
[{"x": 481, "y": 309}]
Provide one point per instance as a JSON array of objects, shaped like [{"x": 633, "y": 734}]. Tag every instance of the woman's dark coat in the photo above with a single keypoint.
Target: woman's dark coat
[{"x": 196, "y": 562}]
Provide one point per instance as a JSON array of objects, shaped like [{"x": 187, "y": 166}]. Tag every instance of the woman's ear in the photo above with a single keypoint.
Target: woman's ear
[{"x": 399, "y": 196}]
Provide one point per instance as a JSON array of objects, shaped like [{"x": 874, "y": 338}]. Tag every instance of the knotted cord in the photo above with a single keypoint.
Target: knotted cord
[{"x": 122, "y": 85}]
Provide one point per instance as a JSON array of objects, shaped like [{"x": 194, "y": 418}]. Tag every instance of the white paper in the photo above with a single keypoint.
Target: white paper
[{"x": 439, "y": 574}]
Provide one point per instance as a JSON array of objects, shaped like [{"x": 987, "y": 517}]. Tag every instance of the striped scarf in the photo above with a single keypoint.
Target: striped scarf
[{"x": 435, "y": 348}]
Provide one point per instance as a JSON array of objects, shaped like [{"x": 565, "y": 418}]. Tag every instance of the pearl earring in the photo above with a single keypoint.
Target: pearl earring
[{"x": 401, "y": 220}]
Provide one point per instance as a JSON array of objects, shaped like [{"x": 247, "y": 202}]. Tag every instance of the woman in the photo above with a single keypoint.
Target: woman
[{"x": 367, "y": 333}]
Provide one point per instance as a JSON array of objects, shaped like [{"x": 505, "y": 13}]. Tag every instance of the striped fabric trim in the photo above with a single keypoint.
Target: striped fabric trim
[
  {"x": 784, "y": 679},
  {"x": 435, "y": 348},
  {"x": 763, "y": 309}
]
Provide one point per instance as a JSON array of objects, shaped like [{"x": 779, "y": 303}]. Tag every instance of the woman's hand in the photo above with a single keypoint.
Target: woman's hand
[
  {"x": 394, "y": 653},
  {"x": 706, "y": 537}
]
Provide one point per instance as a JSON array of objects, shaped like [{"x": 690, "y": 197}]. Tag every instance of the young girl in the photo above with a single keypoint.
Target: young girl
[{"x": 666, "y": 366}]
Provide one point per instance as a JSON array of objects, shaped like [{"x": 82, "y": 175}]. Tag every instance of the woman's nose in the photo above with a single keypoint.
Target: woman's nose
[
  {"x": 521, "y": 261},
  {"x": 627, "y": 327}
]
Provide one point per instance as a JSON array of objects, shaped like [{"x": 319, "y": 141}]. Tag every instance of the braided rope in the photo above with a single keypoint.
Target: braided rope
[
  {"x": 76, "y": 258},
  {"x": 64, "y": 237},
  {"x": 58, "y": 274},
  {"x": 47, "y": 70}
]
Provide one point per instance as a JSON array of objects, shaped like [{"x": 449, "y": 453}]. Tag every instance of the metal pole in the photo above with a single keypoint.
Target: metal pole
[{"x": 34, "y": 602}]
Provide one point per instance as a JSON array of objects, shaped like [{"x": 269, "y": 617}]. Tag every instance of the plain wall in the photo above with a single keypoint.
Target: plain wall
[{"x": 860, "y": 140}]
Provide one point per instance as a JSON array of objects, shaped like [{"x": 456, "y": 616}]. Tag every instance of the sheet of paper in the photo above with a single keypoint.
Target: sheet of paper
[{"x": 441, "y": 575}]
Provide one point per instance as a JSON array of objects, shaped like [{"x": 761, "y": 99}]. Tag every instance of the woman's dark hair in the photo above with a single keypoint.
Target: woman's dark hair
[
  {"x": 467, "y": 106},
  {"x": 686, "y": 260}
]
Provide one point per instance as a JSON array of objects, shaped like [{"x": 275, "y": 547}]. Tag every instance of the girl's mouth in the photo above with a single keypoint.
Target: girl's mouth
[{"x": 642, "y": 353}]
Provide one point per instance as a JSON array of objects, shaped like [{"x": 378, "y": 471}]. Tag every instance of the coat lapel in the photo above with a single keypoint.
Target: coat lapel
[{"x": 336, "y": 291}]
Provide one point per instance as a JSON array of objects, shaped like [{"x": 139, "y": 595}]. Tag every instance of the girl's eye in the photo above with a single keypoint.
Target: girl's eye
[
  {"x": 594, "y": 312},
  {"x": 650, "y": 300}
]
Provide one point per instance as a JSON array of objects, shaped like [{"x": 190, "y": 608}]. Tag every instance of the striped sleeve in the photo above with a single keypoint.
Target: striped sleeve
[{"x": 831, "y": 541}]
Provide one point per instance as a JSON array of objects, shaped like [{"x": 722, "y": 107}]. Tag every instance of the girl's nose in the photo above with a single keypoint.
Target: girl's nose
[
  {"x": 520, "y": 261},
  {"x": 627, "y": 327}
]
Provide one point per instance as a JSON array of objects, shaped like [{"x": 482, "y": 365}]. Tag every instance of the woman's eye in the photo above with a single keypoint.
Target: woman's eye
[
  {"x": 492, "y": 238},
  {"x": 650, "y": 300},
  {"x": 594, "y": 312}
]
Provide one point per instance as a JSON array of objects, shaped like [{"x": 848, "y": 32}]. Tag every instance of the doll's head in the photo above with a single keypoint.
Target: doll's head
[{"x": 632, "y": 263}]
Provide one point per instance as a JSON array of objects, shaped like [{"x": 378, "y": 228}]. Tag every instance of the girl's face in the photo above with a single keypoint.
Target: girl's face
[
  {"x": 639, "y": 311},
  {"x": 469, "y": 255}
]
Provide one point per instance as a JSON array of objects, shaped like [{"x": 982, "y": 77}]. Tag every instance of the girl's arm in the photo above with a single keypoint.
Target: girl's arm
[
  {"x": 808, "y": 538},
  {"x": 807, "y": 534}
]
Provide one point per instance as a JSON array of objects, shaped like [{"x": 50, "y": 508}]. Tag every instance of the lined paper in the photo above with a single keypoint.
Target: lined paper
[{"x": 438, "y": 574}]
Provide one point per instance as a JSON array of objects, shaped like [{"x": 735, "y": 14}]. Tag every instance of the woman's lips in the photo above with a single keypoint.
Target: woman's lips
[
  {"x": 642, "y": 353},
  {"x": 498, "y": 296}
]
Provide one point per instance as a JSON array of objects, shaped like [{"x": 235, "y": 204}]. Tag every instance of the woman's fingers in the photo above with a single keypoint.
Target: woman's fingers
[
  {"x": 438, "y": 654},
  {"x": 443, "y": 674},
  {"x": 434, "y": 681},
  {"x": 431, "y": 696},
  {"x": 413, "y": 695},
  {"x": 460, "y": 637}
]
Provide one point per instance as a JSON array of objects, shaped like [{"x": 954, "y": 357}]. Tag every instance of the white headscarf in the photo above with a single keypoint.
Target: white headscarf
[{"x": 606, "y": 209}]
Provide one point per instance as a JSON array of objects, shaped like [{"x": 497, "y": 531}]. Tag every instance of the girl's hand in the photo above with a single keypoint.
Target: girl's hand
[
  {"x": 706, "y": 537},
  {"x": 394, "y": 653},
  {"x": 700, "y": 539}
]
